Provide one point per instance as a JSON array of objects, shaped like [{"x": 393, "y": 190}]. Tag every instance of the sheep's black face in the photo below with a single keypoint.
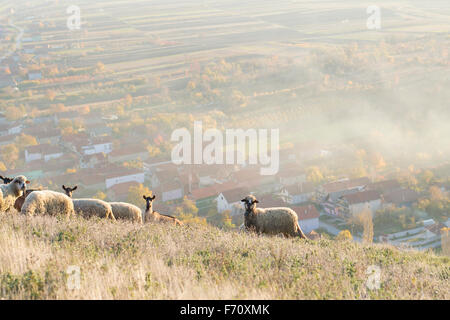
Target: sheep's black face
[
  {"x": 249, "y": 203},
  {"x": 69, "y": 191}
]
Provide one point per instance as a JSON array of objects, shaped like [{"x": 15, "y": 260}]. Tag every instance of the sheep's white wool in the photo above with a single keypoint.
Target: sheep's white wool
[
  {"x": 88, "y": 208},
  {"x": 11, "y": 191},
  {"x": 126, "y": 211},
  {"x": 47, "y": 202}
]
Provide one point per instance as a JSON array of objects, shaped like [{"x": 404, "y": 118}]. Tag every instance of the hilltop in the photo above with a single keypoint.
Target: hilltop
[{"x": 125, "y": 261}]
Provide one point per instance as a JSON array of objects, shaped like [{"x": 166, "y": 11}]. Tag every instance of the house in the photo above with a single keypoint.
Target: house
[
  {"x": 93, "y": 160},
  {"x": 298, "y": 193},
  {"x": 171, "y": 190},
  {"x": 401, "y": 198},
  {"x": 11, "y": 128},
  {"x": 8, "y": 139},
  {"x": 358, "y": 202},
  {"x": 34, "y": 75},
  {"x": 98, "y": 129},
  {"x": 231, "y": 200},
  {"x": 128, "y": 153},
  {"x": 308, "y": 217},
  {"x": 291, "y": 174},
  {"x": 44, "y": 152},
  {"x": 119, "y": 192},
  {"x": 124, "y": 175},
  {"x": 384, "y": 186},
  {"x": 250, "y": 177},
  {"x": 205, "y": 198},
  {"x": 97, "y": 145},
  {"x": 334, "y": 190}
]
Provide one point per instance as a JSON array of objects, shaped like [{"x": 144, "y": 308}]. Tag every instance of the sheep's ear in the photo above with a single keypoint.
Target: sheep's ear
[
  {"x": 153, "y": 198},
  {"x": 243, "y": 200},
  {"x": 75, "y": 188},
  {"x": 64, "y": 187},
  {"x": 145, "y": 198},
  {"x": 256, "y": 201}
]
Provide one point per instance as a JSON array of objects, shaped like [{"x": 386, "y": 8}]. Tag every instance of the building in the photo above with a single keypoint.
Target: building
[
  {"x": 298, "y": 193},
  {"x": 334, "y": 190},
  {"x": 44, "y": 152},
  {"x": 308, "y": 217},
  {"x": 401, "y": 198},
  {"x": 231, "y": 200},
  {"x": 355, "y": 203}
]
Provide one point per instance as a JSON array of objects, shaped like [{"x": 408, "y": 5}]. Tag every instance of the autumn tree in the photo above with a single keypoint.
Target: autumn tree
[
  {"x": 135, "y": 194},
  {"x": 314, "y": 175},
  {"x": 344, "y": 235},
  {"x": 10, "y": 154}
]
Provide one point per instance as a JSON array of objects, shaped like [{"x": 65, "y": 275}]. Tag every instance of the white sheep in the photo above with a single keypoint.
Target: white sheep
[
  {"x": 271, "y": 220},
  {"x": 88, "y": 208},
  {"x": 47, "y": 202},
  {"x": 126, "y": 211},
  {"x": 11, "y": 191}
]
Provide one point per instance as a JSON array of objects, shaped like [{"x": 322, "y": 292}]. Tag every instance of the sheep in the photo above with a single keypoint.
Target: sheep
[
  {"x": 6, "y": 180},
  {"x": 88, "y": 208},
  {"x": 126, "y": 211},
  {"x": 20, "y": 200},
  {"x": 271, "y": 220},
  {"x": 11, "y": 191},
  {"x": 153, "y": 216},
  {"x": 47, "y": 202}
]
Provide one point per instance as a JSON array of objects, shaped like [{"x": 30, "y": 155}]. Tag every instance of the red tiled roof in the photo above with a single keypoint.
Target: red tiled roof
[
  {"x": 361, "y": 197},
  {"x": 345, "y": 184},
  {"x": 123, "y": 188},
  {"x": 235, "y": 195},
  {"x": 306, "y": 212},
  {"x": 401, "y": 196},
  {"x": 300, "y": 188}
]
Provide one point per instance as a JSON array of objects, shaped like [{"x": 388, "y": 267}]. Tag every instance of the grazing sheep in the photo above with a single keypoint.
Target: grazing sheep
[
  {"x": 11, "y": 191},
  {"x": 47, "y": 202},
  {"x": 126, "y": 211},
  {"x": 88, "y": 208},
  {"x": 20, "y": 200},
  {"x": 6, "y": 180},
  {"x": 153, "y": 216},
  {"x": 271, "y": 220}
]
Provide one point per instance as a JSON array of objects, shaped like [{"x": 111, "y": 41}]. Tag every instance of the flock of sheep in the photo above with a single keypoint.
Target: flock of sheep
[{"x": 14, "y": 194}]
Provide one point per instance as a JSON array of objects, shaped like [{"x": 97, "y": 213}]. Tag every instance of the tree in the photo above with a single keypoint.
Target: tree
[
  {"x": 10, "y": 154},
  {"x": 344, "y": 235},
  {"x": 365, "y": 219},
  {"x": 50, "y": 95},
  {"x": 14, "y": 113},
  {"x": 445, "y": 241},
  {"x": 100, "y": 195},
  {"x": 314, "y": 174},
  {"x": 25, "y": 140},
  {"x": 135, "y": 194}
]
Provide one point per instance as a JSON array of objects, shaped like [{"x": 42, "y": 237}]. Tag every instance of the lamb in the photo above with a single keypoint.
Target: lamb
[
  {"x": 11, "y": 191},
  {"x": 20, "y": 200},
  {"x": 271, "y": 220},
  {"x": 47, "y": 202},
  {"x": 153, "y": 216},
  {"x": 88, "y": 208}
]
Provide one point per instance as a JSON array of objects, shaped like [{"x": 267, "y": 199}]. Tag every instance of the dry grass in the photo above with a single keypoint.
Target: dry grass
[{"x": 125, "y": 261}]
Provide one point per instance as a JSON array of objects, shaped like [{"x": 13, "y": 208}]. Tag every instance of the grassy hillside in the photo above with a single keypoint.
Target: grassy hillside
[{"x": 125, "y": 261}]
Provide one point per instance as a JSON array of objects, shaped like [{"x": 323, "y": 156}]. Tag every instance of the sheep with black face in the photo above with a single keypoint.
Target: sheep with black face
[{"x": 271, "y": 220}]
